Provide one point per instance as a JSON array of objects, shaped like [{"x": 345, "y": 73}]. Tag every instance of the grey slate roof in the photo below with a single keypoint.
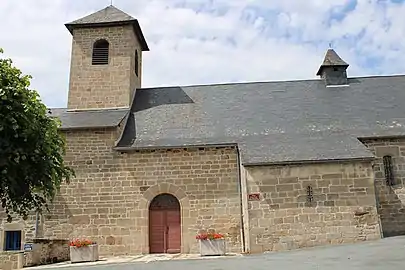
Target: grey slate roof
[
  {"x": 109, "y": 16},
  {"x": 272, "y": 122},
  {"x": 89, "y": 119},
  {"x": 331, "y": 59},
  {"x": 106, "y": 15}
]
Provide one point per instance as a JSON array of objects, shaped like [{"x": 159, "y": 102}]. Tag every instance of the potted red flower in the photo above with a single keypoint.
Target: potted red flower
[
  {"x": 211, "y": 243},
  {"x": 83, "y": 250}
]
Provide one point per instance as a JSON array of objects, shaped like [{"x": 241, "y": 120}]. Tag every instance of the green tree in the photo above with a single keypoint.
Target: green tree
[{"x": 31, "y": 147}]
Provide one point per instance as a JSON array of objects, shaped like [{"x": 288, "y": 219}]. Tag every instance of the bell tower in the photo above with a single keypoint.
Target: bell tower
[{"x": 106, "y": 60}]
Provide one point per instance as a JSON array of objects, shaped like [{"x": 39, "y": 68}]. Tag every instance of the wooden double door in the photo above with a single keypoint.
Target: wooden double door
[{"x": 164, "y": 224}]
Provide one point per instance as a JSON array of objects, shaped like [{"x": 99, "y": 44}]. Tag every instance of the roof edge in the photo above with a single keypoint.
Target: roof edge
[
  {"x": 136, "y": 148},
  {"x": 86, "y": 128},
  {"x": 319, "y": 73},
  {"x": 134, "y": 23},
  {"x": 379, "y": 137},
  {"x": 298, "y": 162},
  {"x": 273, "y": 81}
]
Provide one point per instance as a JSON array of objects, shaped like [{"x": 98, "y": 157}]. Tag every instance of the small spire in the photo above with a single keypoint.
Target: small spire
[{"x": 331, "y": 59}]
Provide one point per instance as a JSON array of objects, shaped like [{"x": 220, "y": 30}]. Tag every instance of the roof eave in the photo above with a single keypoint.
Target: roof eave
[
  {"x": 297, "y": 162},
  {"x": 319, "y": 73},
  {"x": 86, "y": 128},
  {"x": 134, "y": 23},
  {"x": 153, "y": 147},
  {"x": 380, "y": 137}
]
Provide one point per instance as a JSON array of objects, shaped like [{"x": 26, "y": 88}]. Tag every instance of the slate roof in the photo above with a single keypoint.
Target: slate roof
[
  {"x": 331, "y": 59},
  {"x": 109, "y": 16},
  {"x": 89, "y": 119},
  {"x": 271, "y": 122}
]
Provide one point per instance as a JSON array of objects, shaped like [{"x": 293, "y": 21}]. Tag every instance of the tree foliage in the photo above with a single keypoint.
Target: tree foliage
[{"x": 31, "y": 147}]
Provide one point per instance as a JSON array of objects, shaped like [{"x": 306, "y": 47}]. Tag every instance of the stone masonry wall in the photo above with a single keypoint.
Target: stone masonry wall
[
  {"x": 11, "y": 260},
  {"x": 106, "y": 200},
  {"x": 342, "y": 211},
  {"x": 391, "y": 199},
  {"x": 103, "y": 86},
  {"x": 27, "y": 228}
]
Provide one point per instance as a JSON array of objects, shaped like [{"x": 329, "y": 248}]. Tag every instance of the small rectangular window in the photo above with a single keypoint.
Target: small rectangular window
[{"x": 12, "y": 241}]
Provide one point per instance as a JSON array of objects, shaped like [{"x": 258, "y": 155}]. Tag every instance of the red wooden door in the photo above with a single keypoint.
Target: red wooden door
[
  {"x": 174, "y": 231},
  {"x": 164, "y": 224},
  {"x": 157, "y": 231}
]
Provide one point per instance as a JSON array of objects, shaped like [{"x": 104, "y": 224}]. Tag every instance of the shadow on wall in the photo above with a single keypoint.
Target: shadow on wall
[
  {"x": 391, "y": 208},
  {"x": 60, "y": 221}
]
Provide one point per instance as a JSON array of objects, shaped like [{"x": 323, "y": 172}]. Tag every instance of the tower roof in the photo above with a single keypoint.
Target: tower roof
[
  {"x": 331, "y": 59},
  {"x": 109, "y": 16}
]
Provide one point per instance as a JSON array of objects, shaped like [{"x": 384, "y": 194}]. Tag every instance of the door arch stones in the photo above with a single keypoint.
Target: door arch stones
[{"x": 185, "y": 220}]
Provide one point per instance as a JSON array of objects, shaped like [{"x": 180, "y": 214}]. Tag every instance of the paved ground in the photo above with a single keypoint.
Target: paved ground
[{"x": 385, "y": 254}]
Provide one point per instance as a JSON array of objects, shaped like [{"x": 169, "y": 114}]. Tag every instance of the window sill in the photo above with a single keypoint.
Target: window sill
[{"x": 12, "y": 251}]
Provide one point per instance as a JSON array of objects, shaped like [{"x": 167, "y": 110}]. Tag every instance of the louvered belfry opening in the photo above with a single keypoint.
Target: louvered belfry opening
[{"x": 100, "y": 52}]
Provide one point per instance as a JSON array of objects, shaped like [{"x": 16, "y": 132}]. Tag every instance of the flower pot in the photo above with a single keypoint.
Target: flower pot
[
  {"x": 214, "y": 247},
  {"x": 84, "y": 254}
]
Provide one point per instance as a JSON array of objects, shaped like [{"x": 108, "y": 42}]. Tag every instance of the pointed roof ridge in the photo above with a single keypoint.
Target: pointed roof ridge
[
  {"x": 331, "y": 59},
  {"x": 109, "y": 16},
  {"x": 106, "y": 15}
]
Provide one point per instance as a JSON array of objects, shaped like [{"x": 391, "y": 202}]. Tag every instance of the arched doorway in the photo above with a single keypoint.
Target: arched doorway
[{"x": 164, "y": 224}]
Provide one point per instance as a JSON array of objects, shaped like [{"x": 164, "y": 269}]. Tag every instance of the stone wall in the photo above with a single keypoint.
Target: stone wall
[
  {"x": 11, "y": 260},
  {"x": 391, "y": 198},
  {"x": 342, "y": 210},
  {"x": 45, "y": 251},
  {"x": 27, "y": 228},
  {"x": 104, "y": 86},
  {"x": 108, "y": 200}
]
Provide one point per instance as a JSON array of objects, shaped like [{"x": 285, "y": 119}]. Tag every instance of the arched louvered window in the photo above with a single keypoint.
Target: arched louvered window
[
  {"x": 136, "y": 63},
  {"x": 100, "y": 52},
  {"x": 388, "y": 170}
]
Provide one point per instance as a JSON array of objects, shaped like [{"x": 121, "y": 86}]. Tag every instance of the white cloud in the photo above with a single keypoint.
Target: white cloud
[{"x": 199, "y": 41}]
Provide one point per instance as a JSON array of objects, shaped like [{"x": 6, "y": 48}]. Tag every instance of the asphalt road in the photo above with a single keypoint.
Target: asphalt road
[{"x": 385, "y": 254}]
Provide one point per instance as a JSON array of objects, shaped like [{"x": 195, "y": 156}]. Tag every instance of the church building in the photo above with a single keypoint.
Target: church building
[{"x": 272, "y": 165}]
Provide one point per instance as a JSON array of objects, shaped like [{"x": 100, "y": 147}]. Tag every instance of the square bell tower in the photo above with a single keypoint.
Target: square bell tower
[{"x": 106, "y": 60}]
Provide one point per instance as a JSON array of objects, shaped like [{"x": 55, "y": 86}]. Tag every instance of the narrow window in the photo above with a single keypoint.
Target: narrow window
[
  {"x": 388, "y": 170},
  {"x": 310, "y": 194},
  {"x": 100, "y": 52},
  {"x": 136, "y": 63},
  {"x": 12, "y": 241}
]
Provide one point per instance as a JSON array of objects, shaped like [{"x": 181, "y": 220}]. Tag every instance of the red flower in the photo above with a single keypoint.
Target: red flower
[
  {"x": 209, "y": 236},
  {"x": 81, "y": 243}
]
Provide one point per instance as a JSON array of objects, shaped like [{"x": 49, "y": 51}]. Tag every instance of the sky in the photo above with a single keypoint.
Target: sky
[{"x": 213, "y": 41}]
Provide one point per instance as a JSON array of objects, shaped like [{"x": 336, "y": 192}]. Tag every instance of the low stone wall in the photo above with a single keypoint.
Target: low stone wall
[
  {"x": 45, "y": 251},
  {"x": 11, "y": 260}
]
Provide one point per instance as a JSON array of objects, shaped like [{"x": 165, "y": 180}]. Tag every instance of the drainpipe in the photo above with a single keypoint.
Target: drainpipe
[
  {"x": 243, "y": 205},
  {"x": 377, "y": 200},
  {"x": 36, "y": 224}
]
